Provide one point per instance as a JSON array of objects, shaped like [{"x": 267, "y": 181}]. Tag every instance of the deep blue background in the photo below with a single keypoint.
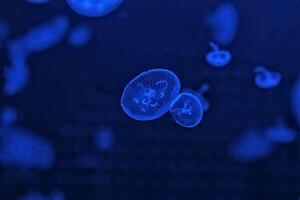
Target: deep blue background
[{"x": 72, "y": 91}]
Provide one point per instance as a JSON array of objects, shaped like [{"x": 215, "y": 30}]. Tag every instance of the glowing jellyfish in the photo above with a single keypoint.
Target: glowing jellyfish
[
  {"x": 80, "y": 35},
  {"x": 104, "y": 138},
  {"x": 8, "y": 116},
  {"x": 21, "y": 148},
  {"x": 200, "y": 94},
  {"x": 45, "y": 36},
  {"x": 38, "y": 1},
  {"x": 295, "y": 100},
  {"x": 93, "y": 8},
  {"x": 187, "y": 110},
  {"x": 280, "y": 133},
  {"x": 149, "y": 95},
  {"x": 266, "y": 79},
  {"x": 223, "y": 23},
  {"x": 218, "y": 58},
  {"x": 250, "y": 147}
]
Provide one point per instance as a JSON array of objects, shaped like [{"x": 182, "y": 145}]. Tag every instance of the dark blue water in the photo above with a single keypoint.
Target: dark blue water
[{"x": 71, "y": 92}]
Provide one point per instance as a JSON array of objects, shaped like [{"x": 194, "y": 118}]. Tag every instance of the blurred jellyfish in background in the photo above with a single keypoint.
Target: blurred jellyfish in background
[
  {"x": 80, "y": 35},
  {"x": 250, "y": 147},
  {"x": 9, "y": 116},
  {"x": 295, "y": 100},
  {"x": 218, "y": 58},
  {"x": 223, "y": 23},
  {"x": 38, "y": 2},
  {"x": 104, "y": 138},
  {"x": 93, "y": 8},
  {"x": 4, "y": 31},
  {"x": 266, "y": 79},
  {"x": 200, "y": 95},
  {"x": 280, "y": 133},
  {"x": 24, "y": 149}
]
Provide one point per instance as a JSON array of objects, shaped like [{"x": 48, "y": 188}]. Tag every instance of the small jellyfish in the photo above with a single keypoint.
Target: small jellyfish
[
  {"x": 93, "y": 8},
  {"x": 295, "y": 101},
  {"x": 266, "y": 79},
  {"x": 200, "y": 94},
  {"x": 250, "y": 147},
  {"x": 38, "y": 2},
  {"x": 46, "y": 35},
  {"x": 104, "y": 138},
  {"x": 8, "y": 116},
  {"x": 218, "y": 58},
  {"x": 80, "y": 35},
  {"x": 280, "y": 133},
  {"x": 22, "y": 148},
  {"x": 187, "y": 110},
  {"x": 149, "y": 95},
  {"x": 223, "y": 23}
]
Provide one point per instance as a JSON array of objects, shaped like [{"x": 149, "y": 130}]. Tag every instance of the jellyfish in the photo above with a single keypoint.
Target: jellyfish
[
  {"x": 295, "y": 101},
  {"x": 93, "y": 8},
  {"x": 200, "y": 94},
  {"x": 250, "y": 147},
  {"x": 149, "y": 95},
  {"x": 38, "y": 2},
  {"x": 46, "y": 35},
  {"x": 218, "y": 58},
  {"x": 80, "y": 35},
  {"x": 104, "y": 138},
  {"x": 22, "y": 148},
  {"x": 223, "y": 23},
  {"x": 187, "y": 110},
  {"x": 8, "y": 116},
  {"x": 280, "y": 133},
  {"x": 266, "y": 79}
]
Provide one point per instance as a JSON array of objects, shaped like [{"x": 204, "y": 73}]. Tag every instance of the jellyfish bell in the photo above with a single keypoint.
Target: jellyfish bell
[
  {"x": 93, "y": 8},
  {"x": 187, "y": 110},
  {"x": 266, "y": 79},
  {"x": 200, "y": 94},
  {"x": 149, "y": 95},
  {"x": 218, "y": 58}
]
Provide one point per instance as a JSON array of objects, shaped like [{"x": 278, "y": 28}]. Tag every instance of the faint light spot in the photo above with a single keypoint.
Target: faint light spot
[
  {"x": 223, "y": 23},
  {"x": 80, "y": 35},
  {"x": 280, "y": 133},
  {"x": 266, "y": 79},
  {"x": 8, "y": 116},
  {"x": 104, "y": 138},
  {"x": 250, "y": 147},
  {"x": 218, "y": 58},
  {"x": 295, "y": 100},
  {"x": 22, "y": 148},
  {"x": 38, "y": 1}
]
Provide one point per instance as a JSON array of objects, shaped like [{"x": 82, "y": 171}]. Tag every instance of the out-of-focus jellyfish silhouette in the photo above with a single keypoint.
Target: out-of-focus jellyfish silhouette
[
  {"x": 200, "y": 95},
  {"x": 8, "y": 116},
  {"x": 38, "y": 1},
  {"x": 266, "y": 79},
  {"x": 104, "y": 138},
  {"x": 93, "y": 8},
  {"x": 46, "y": 35},
  {"x": 295, "y": 100},
  {"x": 223, "y": 23},
  {"x": 218, "y": 58},
  {"x": 80, "y": 35},
  {"x": 280, "y": 133},
  {"x": 21, "y": 148},
  {"x": 149, "y": 95},
  {"x": 250, "y": 147},
  {"x": 187, "y": 110}
]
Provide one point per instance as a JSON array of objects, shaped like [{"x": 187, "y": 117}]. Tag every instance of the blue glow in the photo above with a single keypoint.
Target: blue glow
[
  {"x": 295, "y": 101},
  {"x": 21, "y": 148},
  {"x": 200, "y": 95},
  {"x": 4, "y": 29},
  {"x": 280, "y": 133},
  {"x": 38, "y": 1},
  {"x": 250, "y": 147},
  {"x": 224, "y": 23},
  {"x": 104, "y": 138},
  {"x": 93, "y": 8},
  {"x": 218, "y": 58},
  {"x": 9, "y": 116},
  {"x": 45, "y": 36},
  {"x": 266, "y": 79},
  {"x": 149, "y": 95},
  {"x": 187, "y": 110},
  {"x": 55, "y": 195},
  {"x": 80, "y": 35}
]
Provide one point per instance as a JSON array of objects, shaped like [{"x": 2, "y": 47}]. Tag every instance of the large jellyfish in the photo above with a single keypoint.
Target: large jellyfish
[
  {"x": 93, "y": 8},
  {"x": 149, "y": 95}
]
